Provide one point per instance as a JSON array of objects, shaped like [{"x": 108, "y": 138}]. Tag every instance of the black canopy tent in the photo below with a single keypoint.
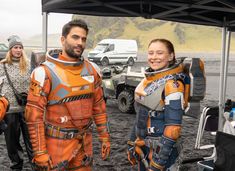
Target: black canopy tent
[
  {"x": 205, "y": 12},
  {"x": 220, "y": 13}
]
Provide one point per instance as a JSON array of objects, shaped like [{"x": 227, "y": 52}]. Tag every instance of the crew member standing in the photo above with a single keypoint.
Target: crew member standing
[
  {"x": 159, "y": 106},
  {"x": 65, "y": 97},
  {"x": 16, "y": 72}
]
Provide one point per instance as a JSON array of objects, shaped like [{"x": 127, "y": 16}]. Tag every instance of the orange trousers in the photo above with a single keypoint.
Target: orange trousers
[{"x": 77, "y": 152}]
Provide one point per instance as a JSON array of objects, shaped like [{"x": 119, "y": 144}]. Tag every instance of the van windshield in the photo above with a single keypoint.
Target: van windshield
[{"x": 101, "y": 47}]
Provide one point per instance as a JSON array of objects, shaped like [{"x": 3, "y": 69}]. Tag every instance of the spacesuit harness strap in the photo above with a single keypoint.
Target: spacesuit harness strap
[
  {"x": 67, "y": 133},
  {"x": 155, "y": 123}
]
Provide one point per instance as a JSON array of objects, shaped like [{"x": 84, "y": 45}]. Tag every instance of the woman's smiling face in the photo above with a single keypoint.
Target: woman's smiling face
[{"x": 159, "y": 56}]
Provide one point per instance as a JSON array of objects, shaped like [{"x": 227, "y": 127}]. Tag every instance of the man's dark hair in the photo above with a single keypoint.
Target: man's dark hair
[{"x": 74, "y": 23}]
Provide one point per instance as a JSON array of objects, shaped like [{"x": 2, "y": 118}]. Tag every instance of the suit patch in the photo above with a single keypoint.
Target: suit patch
[
  {"x": 175, "y": 84},
  {"x": 89, "y": 78}
]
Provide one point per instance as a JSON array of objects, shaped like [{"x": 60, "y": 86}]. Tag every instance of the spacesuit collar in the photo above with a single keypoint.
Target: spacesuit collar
[
  {"x": 153, "y": 75},
  {"x": 56, "y": 56}
]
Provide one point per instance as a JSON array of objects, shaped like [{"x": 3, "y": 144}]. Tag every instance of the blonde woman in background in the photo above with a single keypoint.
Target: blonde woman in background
[{"x": 16, "y": 64}]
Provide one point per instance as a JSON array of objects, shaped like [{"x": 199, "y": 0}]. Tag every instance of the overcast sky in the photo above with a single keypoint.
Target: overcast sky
[{"x": 23, "y": 17}]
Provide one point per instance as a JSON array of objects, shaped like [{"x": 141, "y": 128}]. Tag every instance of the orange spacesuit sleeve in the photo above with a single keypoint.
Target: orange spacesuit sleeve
[
  {"x": 34, "y": 112},
  {"x": 4, "y": 105},
  {"x": 99, "y": 111}
]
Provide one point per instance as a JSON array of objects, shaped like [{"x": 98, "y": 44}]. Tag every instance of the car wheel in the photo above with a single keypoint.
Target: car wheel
[
  {"x": 105, "y": 61},
  {"x": 126, "y": 101},
  {"x": 130, "y": 61}
]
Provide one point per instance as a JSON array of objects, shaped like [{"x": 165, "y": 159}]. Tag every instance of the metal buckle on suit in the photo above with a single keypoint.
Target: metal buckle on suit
[
  {"x": 150, "y": 130},
  {"x": 70, "y": 135},
  {"x": 152, "y": 113}
]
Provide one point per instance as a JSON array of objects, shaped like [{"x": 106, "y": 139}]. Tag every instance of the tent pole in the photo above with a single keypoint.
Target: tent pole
[
  {"x": 221, "y": 86},
  {"x": 226, "y": 63},
  {"x": 44, "y": 31}
]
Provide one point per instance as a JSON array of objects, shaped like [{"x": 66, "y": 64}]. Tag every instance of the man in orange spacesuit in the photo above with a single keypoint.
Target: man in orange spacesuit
[{"x": 65, "y": 98}]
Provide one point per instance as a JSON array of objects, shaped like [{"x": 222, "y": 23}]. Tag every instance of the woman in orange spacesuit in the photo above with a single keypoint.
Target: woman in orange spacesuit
[{"x": 159, "y": 106}]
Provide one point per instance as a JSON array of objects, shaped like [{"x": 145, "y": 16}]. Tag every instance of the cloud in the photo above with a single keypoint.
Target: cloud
[{"x": 24, "y": 18}]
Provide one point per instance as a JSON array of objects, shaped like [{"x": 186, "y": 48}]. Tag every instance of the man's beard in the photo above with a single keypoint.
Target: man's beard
[{"x": 70, "y": 52}]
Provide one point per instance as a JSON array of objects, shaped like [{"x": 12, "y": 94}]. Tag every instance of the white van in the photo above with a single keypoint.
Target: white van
[{"x": 111, "y": 51}]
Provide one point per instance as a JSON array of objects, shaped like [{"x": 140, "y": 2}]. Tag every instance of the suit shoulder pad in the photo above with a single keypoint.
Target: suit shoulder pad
[{"x": 173, "y": 86}]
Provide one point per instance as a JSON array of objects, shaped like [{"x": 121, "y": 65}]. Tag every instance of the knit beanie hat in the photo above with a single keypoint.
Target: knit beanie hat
[{"x": 14, "y": 40}]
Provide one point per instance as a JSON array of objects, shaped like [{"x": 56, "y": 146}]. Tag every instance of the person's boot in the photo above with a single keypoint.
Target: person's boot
[{"x": 17, "y": 166}]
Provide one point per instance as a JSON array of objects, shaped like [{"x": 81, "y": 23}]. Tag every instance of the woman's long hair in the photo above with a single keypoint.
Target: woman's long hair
[{"x": 23, "y": 63}]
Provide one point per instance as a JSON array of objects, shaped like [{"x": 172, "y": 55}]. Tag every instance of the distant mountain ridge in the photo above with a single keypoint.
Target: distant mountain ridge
[
  {"x": 53, "y": 40},
  {"x": 185, "y": 37}
]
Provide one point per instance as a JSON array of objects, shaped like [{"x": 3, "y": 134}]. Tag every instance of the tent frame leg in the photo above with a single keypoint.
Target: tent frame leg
[{"x": 226, "y": 37}]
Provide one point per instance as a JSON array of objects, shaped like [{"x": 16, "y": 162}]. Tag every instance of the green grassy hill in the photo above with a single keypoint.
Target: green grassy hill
[{"x": 185, "y": 37}]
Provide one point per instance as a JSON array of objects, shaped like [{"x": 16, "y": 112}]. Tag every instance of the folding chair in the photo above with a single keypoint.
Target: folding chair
[{"x": 208, "y": 122}]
